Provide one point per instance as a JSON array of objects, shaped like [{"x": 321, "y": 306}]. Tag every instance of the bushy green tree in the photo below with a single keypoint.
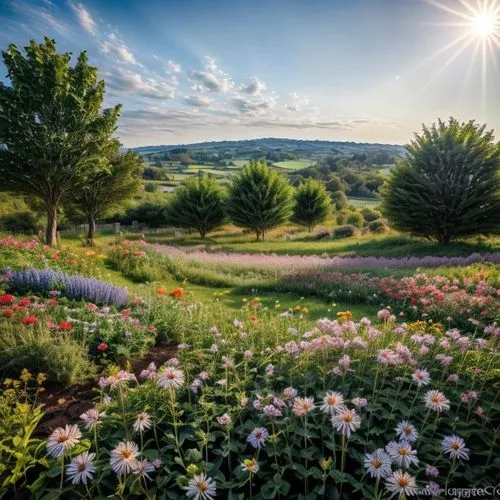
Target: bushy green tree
[
  {"x": 449, "y": 184},
  {"x": 340, "y": 200},
  {"x": 199, "y": 204},
  {"x": 108, "y": 190},
  {"x": 311, "y": 204},
  {"x": 259, "y": 198},
  {"x": 52, "y": 129}
]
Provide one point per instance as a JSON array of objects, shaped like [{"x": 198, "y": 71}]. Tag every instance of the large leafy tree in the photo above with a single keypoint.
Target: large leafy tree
[
  {"x": 312, "y": 204},
  {"x": 449, "y": 184},
  {"x": 259, "y": 198},
  {"x": 108, "y": 189},
  {"x": 52, "y": 129},
  {"x": 198, "y": 204}
]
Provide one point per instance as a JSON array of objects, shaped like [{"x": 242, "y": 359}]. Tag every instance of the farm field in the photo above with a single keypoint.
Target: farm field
[{"x": 294, "y": 164}]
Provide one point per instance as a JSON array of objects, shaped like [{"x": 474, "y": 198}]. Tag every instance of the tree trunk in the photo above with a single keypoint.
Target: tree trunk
[
  {"x": 202, "y": 234},
  {"x": 257, "y": 232},
  {"x": 262, "y": 234},
  {"x": 91, "y": 231},
  {"x": 51, "y": 233}
]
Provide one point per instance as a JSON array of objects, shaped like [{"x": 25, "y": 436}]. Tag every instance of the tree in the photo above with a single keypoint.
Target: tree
[
  {"x": 340, "y": 200},
  {"x": 449, "y": 184},
  {"x": 259, "y": 198},
  {"x": 52, "y": 130},
  {"x": 110, "y": 189},
  {"x": 198, "y": 204},
  {"x": 312, "y": 204}
]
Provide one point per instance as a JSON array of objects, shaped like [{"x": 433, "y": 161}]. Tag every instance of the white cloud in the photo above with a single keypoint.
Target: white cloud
[
  {"x": 118, "y": 50},
  {"x": 130, "y": 82},
  {"x": 211, "y": 78},
  {"x": 298, "y": 102},
  {"x": 172, "y": 66},
  {"x": 84, "y": 18},
  {"x": 255, "y": 87},
  {"x": 250, "y": 105},
  {"x": 199, "y": 101}
]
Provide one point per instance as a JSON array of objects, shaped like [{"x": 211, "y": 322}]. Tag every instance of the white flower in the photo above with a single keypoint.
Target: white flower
[
  {"x": 142, "y": 468},
  {"x": 250, "y": 465},
  {"x": 201, "y": 487},
  {"x": 142, "y": 422},
  {"x": 346, "y": 421},
  {"x": 332, "y": 402},
  {"x": 62, "y": 440},
  {"x": 406, "y": 431},
  {"x": 436, "y": 401},
  {"x": 81, "y": 468},
  {"x": 123, "y": 457},
  {"x": 302, "y": 406},
  {"x": 402, "y": 454},
  {"x": 258, "y": 436},
  {"x": 421, "y": 377},
  {"x": 378, "y": 464},
  {"x": 401, "y": 483},
  {"x": 92, "y": 418},
  {"x": 170, "y": 378},
  {"x": 454, "y": 446}
]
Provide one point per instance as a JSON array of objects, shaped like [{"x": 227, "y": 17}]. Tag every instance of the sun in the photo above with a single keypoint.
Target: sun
[{"x": 485, "y": 24}]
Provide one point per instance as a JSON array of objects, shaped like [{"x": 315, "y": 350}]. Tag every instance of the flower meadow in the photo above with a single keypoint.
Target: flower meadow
[{"x": 251, "y": 402}]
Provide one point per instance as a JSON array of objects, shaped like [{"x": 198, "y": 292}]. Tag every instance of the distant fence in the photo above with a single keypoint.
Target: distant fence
[{"x": 117, "y": 228}]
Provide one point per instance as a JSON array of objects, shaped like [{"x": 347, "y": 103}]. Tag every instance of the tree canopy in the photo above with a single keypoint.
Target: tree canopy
[{"x": 311, "y": 204}]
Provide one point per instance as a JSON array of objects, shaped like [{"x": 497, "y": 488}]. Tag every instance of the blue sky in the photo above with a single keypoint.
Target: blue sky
[{"x": 197, "y": 70}]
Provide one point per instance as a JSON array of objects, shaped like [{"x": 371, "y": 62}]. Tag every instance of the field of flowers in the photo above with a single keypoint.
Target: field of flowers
[{"x": 255, "y": 403}]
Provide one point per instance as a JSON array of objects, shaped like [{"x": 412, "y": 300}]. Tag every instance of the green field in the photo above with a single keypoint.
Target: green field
[
  {"x": 363, "y": 202},
  {"x": 294, "y": 164}
]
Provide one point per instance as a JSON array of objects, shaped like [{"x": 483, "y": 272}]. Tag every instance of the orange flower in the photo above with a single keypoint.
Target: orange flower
[
  {"x": 65, "y": 325},
  {"x": 161, "y": 291},
  {"x": 305, "y": 310},
  {"x": 344, "y": 315},
  {"x": 178, "y": 293}
]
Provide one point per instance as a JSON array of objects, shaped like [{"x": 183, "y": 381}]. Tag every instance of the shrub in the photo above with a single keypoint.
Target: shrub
[
  {"x": 340, "y": 200},
  {"x": 355, "y": 218},
  {"x": 370, "y": 215},
  {"x": 312, "y": 204},
  {"x": 344, "y": 231},
  {"x": 377, "y": 226}
]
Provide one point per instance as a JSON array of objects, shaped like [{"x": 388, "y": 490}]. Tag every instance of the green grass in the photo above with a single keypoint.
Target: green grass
[
  {"x": 293, "y": 164},
  {"x": 363, "y": 202}
]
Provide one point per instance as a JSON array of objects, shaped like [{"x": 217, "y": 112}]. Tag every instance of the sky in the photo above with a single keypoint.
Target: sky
[{"x": 202, "y": 70}]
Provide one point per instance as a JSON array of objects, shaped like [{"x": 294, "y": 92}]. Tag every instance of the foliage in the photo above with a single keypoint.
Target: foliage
[
  {"x": 345, "y": 231},
  {"x": 370, "y": 215},
  {"x": 377, "y": 226},
  {"x": 311, "y": 204},
  {"x": 449, "y": 184},
  {"x": 355, "y": 218},
  {"x": 52, "y": 128},
  {"x": 340, "y": 200},
  {"x": 198, "y": 204},
  {"x": 17, "y": 215},
  {"x": 259, "y": 199}
]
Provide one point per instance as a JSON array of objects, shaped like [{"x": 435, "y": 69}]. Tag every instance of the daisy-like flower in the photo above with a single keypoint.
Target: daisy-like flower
[
  {"x": 332, "y": 402},
  {"x": 92, "y": 418},
  {"x": 271, "y": 411},
  {"x": 201, "y": 487},
  {"x": 302, "y": 406},
  {"x": 142, "y": 422},
  {"x": 142, "y": 468},
  {"x": 378, "y": 464},
  {"x": 258, "y": 436},
  {"x": 436, "y": 401},
  {"x": 406, "y": 431},
  {"x": 359, "y": 402},
  {"x": 250, "y": 465},
  {"x": 170, "y": 378},
  {"x": 62, "y": 440},
  {"x": 123, "y": 457},
  {"x": 421, "y": 377},
  {"x": 81, "y": 468},
  {"x": 402, "y": 454},
  {"x": 346, "y": 421},
  {"x": 454, "y": 446},
  {"x": 224, "y": 419},
  {"x": 401, "y": 483}
]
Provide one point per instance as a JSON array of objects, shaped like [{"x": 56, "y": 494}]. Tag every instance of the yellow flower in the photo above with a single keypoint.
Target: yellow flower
[
  {"x": 192, "y": 469},
  {"x": 344, "y": 315},
  {"x": 102, "y": 256},
  {"x": 325, "y": 464},
  {"x": 296, "y": 308},
  {"x": 90, "y": 253},
  {"x": 305, "y": 310},
  {"x": 41, "y": 378},
  {"x": 277, "y": 306},
  {"x": 61, "y": 401},
  {"x": 25, "y": 375}
]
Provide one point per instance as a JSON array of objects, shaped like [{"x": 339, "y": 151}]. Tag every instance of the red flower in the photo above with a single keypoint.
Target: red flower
[
  {"x": 65, "y": 325},
  {"x": 24, "y": 302},
  {"x": 102, "y": 346},
  {"x": 7, "y": 313},
  {"x": 177, "y": 293},
  {"x": 7, "y": 299},
  {"x": 151, "y": 328},
  {"x": 53, "y": 302},
  {"x": 29, "y": 320},
  {"x": 125, "y": 313}
]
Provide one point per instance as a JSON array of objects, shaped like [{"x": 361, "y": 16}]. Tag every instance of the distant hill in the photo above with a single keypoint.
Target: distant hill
[{"x": 305, "y": 148}]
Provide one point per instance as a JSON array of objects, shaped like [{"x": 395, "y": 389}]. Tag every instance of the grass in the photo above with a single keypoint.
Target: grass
[
  {"x": 293, "y": 164},
  {"x": 363, "y": 202}
]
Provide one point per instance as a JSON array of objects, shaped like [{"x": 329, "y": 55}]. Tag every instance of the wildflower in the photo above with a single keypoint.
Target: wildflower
[
  {"x": 271, "y": 411},
  {"x": 384, "y": 314},
  {"x": 142, "y": 468},
  {"x": 107, "y": 400},
  {"x": 81, "y": 468},
  {"x": 250, "y": 465},
  {"x": 248, "y": 355},
  {"x": 92, "y": 418},
  {"x": 102, "y": 346},
  {"x": 91, "y": 307},
  {"x": 359, "y": 402},
  {"x": 29, "y": 320},
  {"x": 453, "y": 378},
  {"x": 436, "y": 401},
  {"x": 431, "y": 471},
  {"x": 178, "y": 293},
  {"x": 421, "y": 377},
  {"x": 183, "y": 347},
  {"x": 243, "y": 402},
  {"x": 203, "y": 376},
  {"x": 302, "y": 406},
  {"x": 332, "y": 402},
  {"x": 454, "y": 446},
  {"x": 65, "y": 325},
  {"x": 378, "y": 464},
  {"x": 406, "y": 431},
  {"x": 480, "y": 412},
  {"x": 290, "y": 392},
  {"x": 50, "y": 325},
  {"x": 170, "y": 378},
  {"x": 227, "y": 362},
  {"x": 142, "y": 422},
  {"x": 258, "y": 436},
  {"x": 62, "y": 440},
  {"x": 346, "y": 421},
  {"x": 222, "y": 382},
  {"x": 270, "y": 370},
  {"x": 156, "y": 463},
  {"x": 123, "y": 457},
  {"x": 401, "y": 483},
  {"x": 201, "y": 487},
  {"x": 402, "y": 454},
  {"x": 224, "y": 419},
  {"x": 7, "y": 299},
  {"x": 161, "y": 291},
  {"x": 195, "y": 385}
]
